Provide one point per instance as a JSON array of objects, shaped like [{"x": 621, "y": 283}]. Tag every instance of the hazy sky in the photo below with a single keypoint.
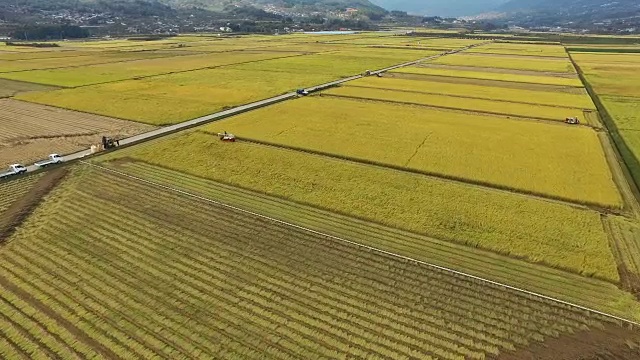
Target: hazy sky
[{"x": 441, "y": 7}]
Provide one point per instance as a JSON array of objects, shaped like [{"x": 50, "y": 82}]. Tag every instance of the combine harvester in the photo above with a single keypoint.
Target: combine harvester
[
  {"x": 227, "y": 137},
  {"x": 572, "y": 120}
]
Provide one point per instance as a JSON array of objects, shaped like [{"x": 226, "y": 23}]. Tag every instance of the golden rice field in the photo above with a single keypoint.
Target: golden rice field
[
  {"x": 581, "y": 101},
  {"x": 44, "y": 54},
  {"x": 534, "y": 229},
  {"x": 522, "y": 49},
  {"x": 547, "y": 80},
  {"x": 169, "y": 99},
  {"x": 87, "y": 75},
  {"x": 443, "y": 143},
  {"x": 614, "y": 78},
  {"x": 338, "y": 64},
  {"x": 531, "y": 79},
  {"x": 560, "y": 65},
  {"x": 109, "y": 278},
  {"x": 69, "y": 61},
  {"x": 553, "y": 113}
]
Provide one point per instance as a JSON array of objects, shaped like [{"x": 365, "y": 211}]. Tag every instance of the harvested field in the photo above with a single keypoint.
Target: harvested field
[
  {"x": 482, "y": 106},
  {"x": 119, "y": 284},
  {"x": 518, "y": 225},
  {"x": 30, "y": 132},
  {"x": 87, "y": 75},
  {"x": 441, "y": 143},
  {"x": 12, "y": 190},
  {"x": 548, "y": 80},
  {"x": 609, "y": 343},
  {"x": 580, "y": 101},
  {"x": 485, "y": 82},
  {"x": 625, "y": 243},
  {"x": 23, "y": 197},
  {"x": 547, "y": 65},
  {"x": 10, "y": 88}
]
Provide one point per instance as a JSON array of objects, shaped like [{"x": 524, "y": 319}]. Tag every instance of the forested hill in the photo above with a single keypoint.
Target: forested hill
[{"x": 549, "y": 12}]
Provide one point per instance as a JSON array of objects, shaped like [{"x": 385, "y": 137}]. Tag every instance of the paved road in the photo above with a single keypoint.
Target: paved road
[{"x": 163, "y": 131}]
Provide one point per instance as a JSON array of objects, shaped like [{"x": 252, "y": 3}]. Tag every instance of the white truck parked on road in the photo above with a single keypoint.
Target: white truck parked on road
[
  {"x": 53, "y": 159},
  {"x": 15, "y": 169}
]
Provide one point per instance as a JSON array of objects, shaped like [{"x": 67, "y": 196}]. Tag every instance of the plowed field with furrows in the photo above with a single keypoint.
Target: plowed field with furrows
[
  {"x": 131, "y": 270},
  {"x": 12, "y": 190},
  {"x": 21, "y": 119},
  {"x": 29, "y": 132}
]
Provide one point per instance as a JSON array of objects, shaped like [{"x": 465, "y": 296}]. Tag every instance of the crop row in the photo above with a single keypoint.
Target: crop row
[
  {"x": 433, "y": 207},
  {"x": 202, "y": 208},
  {"x": 547, "y": 280},
  {"x": 10, "y": 191},
  {"x": 241, "y": 280}
]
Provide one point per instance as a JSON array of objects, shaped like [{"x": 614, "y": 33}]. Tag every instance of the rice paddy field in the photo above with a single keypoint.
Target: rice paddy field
[
  {"x": 486, "y": 106},
  {"x": 435, "y": 207},
  {"x": 560, "y": 65},
  {"x": 315, "y": 296},
  {"x": 95, "y": 74},
  {"x": 442, "y": 143},
  {"x": 442, "y": 211},
  {"x": 484, "y": 75},
  {"x": 613, "y": 77},
  {"x": 522, "y": 96},
  {"x": 518, "y": 49}
]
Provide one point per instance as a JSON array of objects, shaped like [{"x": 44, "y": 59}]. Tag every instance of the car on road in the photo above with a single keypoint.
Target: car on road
[
  {"x": 14, "y": 169},
  {"x": 53, "y": 159}
]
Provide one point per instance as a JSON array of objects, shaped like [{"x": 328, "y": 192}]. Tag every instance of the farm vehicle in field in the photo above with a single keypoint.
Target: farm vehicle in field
[
  {"x": 14, "y": 169},
  {"x": 53, "y": 159},
  {"x": 109, "y": 143},
  {"x": 227, "y": 137},
  {"x": 371, "y": 73},
  {"x": 572, "y": 120}
]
